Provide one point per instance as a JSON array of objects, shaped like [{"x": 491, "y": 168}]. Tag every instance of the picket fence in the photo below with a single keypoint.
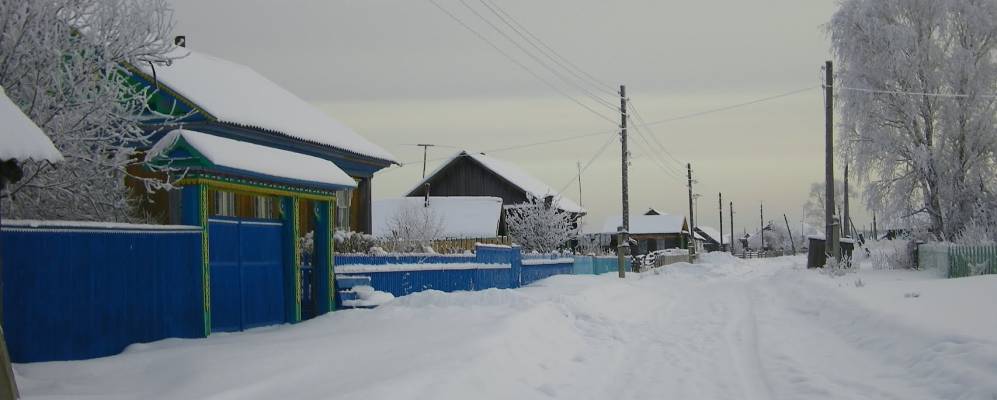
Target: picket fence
[{"x": 958, "y": 260}]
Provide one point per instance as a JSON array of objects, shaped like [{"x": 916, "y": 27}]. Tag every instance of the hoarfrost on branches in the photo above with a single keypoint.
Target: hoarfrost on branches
[
  {"x": 414, "y": 228},
  {"x": 925, "y": 144},
  {"x": 539, "y": 225},
  {"x": 65, "y": 63}
]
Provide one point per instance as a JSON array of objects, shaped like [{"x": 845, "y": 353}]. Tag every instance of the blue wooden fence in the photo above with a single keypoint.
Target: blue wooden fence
[
  {"x": 88, "y": 290},
  {"x": 490, "y": 267}
]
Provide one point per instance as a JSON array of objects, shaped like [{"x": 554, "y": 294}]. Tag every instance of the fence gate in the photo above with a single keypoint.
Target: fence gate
[{"x": 247, "y": 274}]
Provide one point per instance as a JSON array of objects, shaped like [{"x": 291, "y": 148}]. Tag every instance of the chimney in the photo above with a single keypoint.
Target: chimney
[{"x": 180, "y": 40}]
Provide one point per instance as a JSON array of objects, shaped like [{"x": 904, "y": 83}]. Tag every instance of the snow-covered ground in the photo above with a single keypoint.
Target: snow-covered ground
[{"x": 721, "y": 329}]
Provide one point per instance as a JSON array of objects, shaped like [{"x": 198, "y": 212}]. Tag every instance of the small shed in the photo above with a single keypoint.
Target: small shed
[{"x": 710, "y": 238}]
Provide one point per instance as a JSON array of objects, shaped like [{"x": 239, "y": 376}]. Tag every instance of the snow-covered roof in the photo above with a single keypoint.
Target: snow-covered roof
[
  {"x": 236, "y": 94},
  {"x": 514, "y": 175},
  {"x": 713, "y": 234},
  {"x": 20, "y": 138},
  {"x": 463, "y": 217},
  {"x": 646, "y": 224},
  {"x": 254, "y": 158}
]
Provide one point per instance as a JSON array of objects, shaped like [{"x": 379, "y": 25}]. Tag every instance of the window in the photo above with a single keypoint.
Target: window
[
  {"x": 263, "y": 207},
  {"x": 343, "y": 200},
  {"x": 224, "y": 204}
]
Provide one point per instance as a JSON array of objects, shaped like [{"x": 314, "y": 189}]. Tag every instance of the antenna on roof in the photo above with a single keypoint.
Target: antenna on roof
[{"x": 180, "y": 40}]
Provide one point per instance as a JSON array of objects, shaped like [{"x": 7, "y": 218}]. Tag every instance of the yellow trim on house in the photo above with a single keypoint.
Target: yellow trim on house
[{"x": 254, "y": 189}]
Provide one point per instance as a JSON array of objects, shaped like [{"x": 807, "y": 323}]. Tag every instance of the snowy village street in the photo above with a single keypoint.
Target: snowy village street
[{"x": 721, "y": 329}]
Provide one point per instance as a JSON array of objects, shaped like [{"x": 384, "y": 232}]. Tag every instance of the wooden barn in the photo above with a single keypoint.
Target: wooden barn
[{"x": 476, "y": 174}]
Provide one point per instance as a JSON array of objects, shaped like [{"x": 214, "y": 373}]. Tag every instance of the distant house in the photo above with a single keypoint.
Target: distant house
[
  {"x": 652, "y": 231},
  {"x": 476, "y": 174},
  {"x": 710, "y": 238},
  {"x": 230, "y": 100},
  {"x": 460, "y": 217}
]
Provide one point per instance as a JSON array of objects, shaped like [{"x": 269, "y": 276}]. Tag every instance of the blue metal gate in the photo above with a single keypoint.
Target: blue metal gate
[{"x": 247, "y": 274}]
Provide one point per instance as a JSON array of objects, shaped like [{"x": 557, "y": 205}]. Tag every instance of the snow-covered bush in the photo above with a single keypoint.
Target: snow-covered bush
[
  {"x": 65, "y": 63},
  {"x": 349, "y": 242},
  {"x": 914, "y": 83},
  {"x": 539, "y": 225},
  {"x": 894, "y": 254},
  {"x": 413, "y": 228}
]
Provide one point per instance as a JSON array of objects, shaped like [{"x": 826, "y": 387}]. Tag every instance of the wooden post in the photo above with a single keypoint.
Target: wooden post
[
  {"x": 846, "y": 230},
  {"x": 791, "y": 241},
  {"x": 831, "y": 245},
  {"x": 625, "y": 159},
  {"x": 692, "y": 220},
  {"x": 721, "y": 208},
  {"x": 761, "y": 219},
  {"x": 731, "y": 208},
  {"x": 622, "y": 247}
]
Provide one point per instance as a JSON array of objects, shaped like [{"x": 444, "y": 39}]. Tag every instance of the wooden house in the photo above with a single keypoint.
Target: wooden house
[
  {"x": 226, "y": 99},
  {"x": 259, "y": 170},
  {"x": 652, "y": 231},
  {"x": 476, "y": 174}
]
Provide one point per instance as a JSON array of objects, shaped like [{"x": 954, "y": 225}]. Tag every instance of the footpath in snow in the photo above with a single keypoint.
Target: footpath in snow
[{"x": 721, "y": 329}]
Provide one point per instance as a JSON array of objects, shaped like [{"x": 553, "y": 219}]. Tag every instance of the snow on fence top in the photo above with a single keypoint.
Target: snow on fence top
[
  {"x": 90, "y": 226},
  {"x": 20, "y": 138},
  {"x": 255, "y": 158},
  {"x": 461, "y": 217},
  {"x": 516, "y": 176},
  {"x": 236, "y": 94},
  {"x": 646, "y": 224}
]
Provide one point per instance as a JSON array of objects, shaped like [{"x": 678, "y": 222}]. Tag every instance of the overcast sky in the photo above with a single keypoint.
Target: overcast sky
[{"x": 402, "y": 72}]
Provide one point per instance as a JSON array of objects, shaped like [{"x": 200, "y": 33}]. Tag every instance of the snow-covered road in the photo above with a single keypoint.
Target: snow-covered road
[{"x": 722, "y": 329}]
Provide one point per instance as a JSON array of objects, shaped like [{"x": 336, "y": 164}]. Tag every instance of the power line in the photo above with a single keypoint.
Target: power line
[
  {"x": 530, "y": 54},
  {"x": 653, "y": 135},
  {"x": 588, "y": 164},
  {"x": 730, "y": 107},
  {"x": 659, "y": 162},
  {"x": 563, "y": 63},
  {"x": 517, "y": 62}
]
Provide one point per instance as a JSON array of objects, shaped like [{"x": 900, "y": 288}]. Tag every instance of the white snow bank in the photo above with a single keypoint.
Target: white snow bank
[
  {"x": 367, "y": 296},
  {"x": 237, "y": 94},
  {"x": 254, "y": 158},
  {"x": 20, "y": 138}
]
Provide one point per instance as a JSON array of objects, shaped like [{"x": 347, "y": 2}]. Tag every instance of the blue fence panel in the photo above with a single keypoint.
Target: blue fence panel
[
  {"x": 98, "y": 290},
  {"x": 362, "y": 259},
  {"x": 603, "y": 265},
  {"x": 533, "y": 273},
  {"x": 583, "y": 265},
  {"x": 226, "y": 277}
]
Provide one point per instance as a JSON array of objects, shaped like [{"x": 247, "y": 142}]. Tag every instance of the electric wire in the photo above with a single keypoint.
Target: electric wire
[
  {"x": 574, "y": 178},
  {"x": 730, "y": 107},
  {"x": 549, "y": 51},
  {"x": 925, "y": 94},
  {"x": 532, "y": 56},
  {"x": 517, "y": 62}
]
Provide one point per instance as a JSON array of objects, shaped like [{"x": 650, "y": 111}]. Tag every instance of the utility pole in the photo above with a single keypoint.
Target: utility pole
[
  {"x": 692, "y": 218},
  {"x": 875, "y": 234},
  {"x": 720, "y": 204},
  {"x": 830, "y": 240},
  {"x": 731, "y": 208},
  {"x": 761, "y": 220},
  {"x": 625, "y": 158},
  {"x": 791, "y": 241},
  {"x": 579, "y": 165},
  {"x": 623, "y": 238},
  {"x": 425, "y": 152},
  {"x": 846, "y": 230}
]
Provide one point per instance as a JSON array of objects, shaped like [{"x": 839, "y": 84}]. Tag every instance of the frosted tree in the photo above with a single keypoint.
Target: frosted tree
[
  {"x": 916, "y": 82},
  {"x": 66, "y": 64},
  {"x": 414, "y": 228},
  {"x": 539, "y": 225},
  {"x": 814, "y": 207}
]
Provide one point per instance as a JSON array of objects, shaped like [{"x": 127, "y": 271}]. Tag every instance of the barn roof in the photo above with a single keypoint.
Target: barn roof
[
  {"x": 223, "y": 154},
  {"x": 709, "y": 234},
  {"x": 462, "y": 217},
  {"x": 647, "y": 224},
  {"x": 512, "y": 174},
  {"x": 236, "y": 94},
  {"x": 20, "y": 138}
]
